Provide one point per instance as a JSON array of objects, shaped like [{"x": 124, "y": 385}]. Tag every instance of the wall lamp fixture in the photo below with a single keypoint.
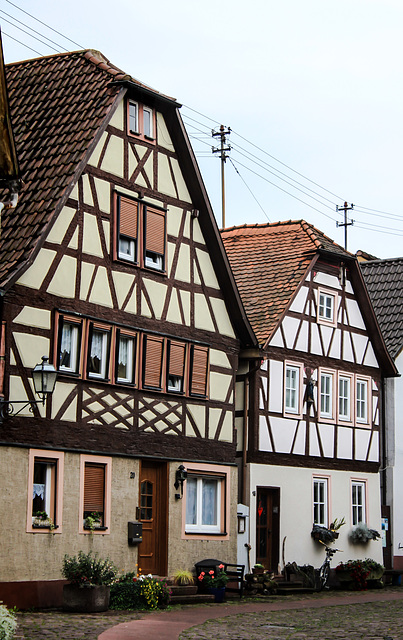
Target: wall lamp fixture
[
  {"x": 44, "y": 378},
  {"x": 180, "y": 476}
]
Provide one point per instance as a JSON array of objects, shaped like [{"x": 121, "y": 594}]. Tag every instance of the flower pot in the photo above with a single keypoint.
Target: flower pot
[
  {"x": 218, "y": 593},
  {"x": 258, "y": 570},
  {"x": 86, "y": 599}
]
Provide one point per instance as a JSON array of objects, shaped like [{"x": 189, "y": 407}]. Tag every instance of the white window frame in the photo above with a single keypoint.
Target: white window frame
[
  {"x": 150, "y": 133},
  {"x": 131, "y": 354},
  {"x": 322, "y": 306},
  {"x": 75, "y": 344},
  {"x": 129, "y": 255},
  {"x": 362, "y": 401},
  {"x": 58, "y": 458},
  {"x": 135, "y": 118},
  {"x": 105, "y": 332},
  {"x": 294, "y": 406},
  {"x": 358, "y": 501},
  {"x": 199, "y": 526},
  {"x": 346, "y": 417},
  {"x": 326, "y": 394},
  {"x": 320, "y": 507}
]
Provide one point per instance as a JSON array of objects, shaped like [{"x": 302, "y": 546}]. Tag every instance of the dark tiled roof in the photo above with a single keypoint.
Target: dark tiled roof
[
  {"x": 384, "y": 280},
  {"x": 57, "y": 105},
  {"x": 269, "y": 262}
]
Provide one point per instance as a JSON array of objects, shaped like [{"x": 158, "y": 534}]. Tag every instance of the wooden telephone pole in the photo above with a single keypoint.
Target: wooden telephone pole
[
  {"x": 345, "y": 224},
  {"x": 223, "y": 156}
]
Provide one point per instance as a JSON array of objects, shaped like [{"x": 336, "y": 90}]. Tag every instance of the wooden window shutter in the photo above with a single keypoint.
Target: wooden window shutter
[
  {"x": 155, "y": 231},
  {"x": 154, "y": 346},
  {"x": 128, "y": 217},
  {"x": 199, "y": 370},
  {"x": 94, "y": 488},
  {"x": 177, "y": 351}
]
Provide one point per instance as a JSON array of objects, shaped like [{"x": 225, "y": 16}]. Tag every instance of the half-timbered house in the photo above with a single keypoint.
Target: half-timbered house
[
  {"x": 310, "y": 428},
  {"x": 112, "y": 266}
]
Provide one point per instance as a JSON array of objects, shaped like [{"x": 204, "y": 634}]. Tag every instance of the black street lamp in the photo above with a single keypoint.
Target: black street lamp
[{"x": 44, "y": 378}]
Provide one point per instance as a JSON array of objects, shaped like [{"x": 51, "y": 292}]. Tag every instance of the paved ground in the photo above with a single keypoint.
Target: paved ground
[{"x": 373, "y": 615}]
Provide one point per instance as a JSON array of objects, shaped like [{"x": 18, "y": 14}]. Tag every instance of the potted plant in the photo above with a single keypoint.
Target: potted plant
[
  {"x": 93, "y": 521},
  {"x": 361, "y": 534},
  {"x": 215, "y": 582},
  {"x": 358, "y": 572},
  {"x": 257, "y": 569},
  {"x": 90, "y": 579},
  {"x": 325, "y": 534},
  {"x": 41, "y": 520}
]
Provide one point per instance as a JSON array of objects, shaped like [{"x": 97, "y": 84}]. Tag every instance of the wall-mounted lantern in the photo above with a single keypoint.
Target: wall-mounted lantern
[
  {"x": 180, "y": 476},
  {"x": 44, "y": 378}
]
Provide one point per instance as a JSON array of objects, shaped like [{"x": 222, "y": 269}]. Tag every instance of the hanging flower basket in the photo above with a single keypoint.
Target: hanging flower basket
[{"x": 322, "y": 534}]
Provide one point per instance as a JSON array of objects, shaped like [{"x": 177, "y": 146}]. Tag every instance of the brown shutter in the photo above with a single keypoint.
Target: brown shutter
[
  {"x": 199, "y": 370},
  {"x": 177, "y": 352},
  {"x": 155, "y": 231},
  {"x": 153, "y": 361},
  {"x": 94, "y": 488},
  {"x": 128, "y": 217}
]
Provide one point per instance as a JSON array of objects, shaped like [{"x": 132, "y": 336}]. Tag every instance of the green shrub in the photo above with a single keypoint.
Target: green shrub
[
  {"x": 87, "y": 570},
  {"x": 8, "y": 623},
  {"x": 139, "y": 592}
]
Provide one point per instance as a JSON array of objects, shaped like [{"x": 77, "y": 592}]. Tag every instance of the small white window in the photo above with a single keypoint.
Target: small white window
[
  {"x": 125, "y": 360},
  {"x": 98, "y": 354},
  {"x": 326, "y": 395},
  {"x": 362, "y": 400},
  {"x": 148, "y": 122},
  {"x": 292, "y": 389},
  {"x": 133, "y": 117},
  {"x": 320, "y": 501},
  {"x": 358, "y": 502},
  {"x": 344, "y": 398},
  {"x": 69, "y": 346},
  {"x": 203, "y": 504},
  {"x": 127, "y": 249},
  {"x": 153, "y": 260},
  {"x": 175, "y": 383},
  {"x": 327, "y": 307}
]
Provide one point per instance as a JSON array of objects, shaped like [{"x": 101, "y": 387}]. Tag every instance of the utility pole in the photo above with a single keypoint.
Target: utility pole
[
  {"x": 345, "y": 224},
  {"x": 221, "y": 150}
]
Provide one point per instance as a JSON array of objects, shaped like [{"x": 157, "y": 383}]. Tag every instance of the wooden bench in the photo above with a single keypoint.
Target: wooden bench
[{"x": 235, "y": 573}]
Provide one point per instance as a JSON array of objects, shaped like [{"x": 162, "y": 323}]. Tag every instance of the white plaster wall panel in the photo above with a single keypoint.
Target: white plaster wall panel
[
  {"x": 117, "y": 119},
  {"x": 239, "y": 396},
  {"x": 149, "y": 168},
  {"x": 131, "y": 306},
  {"x": 173, "y": 313},
  {"x": 174, "y": 219},
  {"x": 219, "y": 386},
  {"x": 74, "y": 192},
  {"x": 264, "y": 438},
  {"x": 354, "y": 314},
  {"x": 197, "y": 234},
  {"x": 185, "y": 298},
  {"x": 87, "y": 271},
  {"x": 349, "y": 287},
  {"x": 63, "y": 283},
  {"x": 164, "y": 139},
  {"x": 113, "y": 159},
  {"x": 299, "y": 302},
  {"x": 73, "y": 244},
  {"x": 219, "y": 359},
  {"x": 33, "y": 277},
  {"x": 106, "y": 227},
  {"x": 31, "y": 348},
  {"x": 302, "y": 340},
  {"x": 60, "y": 225},
  {"x": 103, "y": 190},
  {"x": 59, "y": 396},
  {"x": 239, "y": 433},
  {"x": 182, "y": 272},
  {"x": 207, "y": 269},
  {"x": 299, "y": 443},
  {"x": 314, "y": 449},
  {"x": 87, "y": 194},
  {"x": 276, "y": 386},
  {"x": 95, "y": 156},
  {"x": 263, "y": 395},
  {"x": 183, "y": 192},
  {"x": 373, "y": 455},
  {"x": 375, "y": 407},
  {"x": 222, "y": 318},
  {"x": 12, "y": 359},
  {"x": 91, "y": 239},
  {"x": 277, "y": 339},
  {"x": 345, "y": 443},
  {"x": 140, "y": 180},
  {"x": 186, "y": 228},
  {"x": 196, "y": 278},
  {"x": 316, "y": 346},
  {"x": 100, "y": 291},
  {"x": 360, "y": 342},
  {"x": 326, "y": 432},
  {"x": 327, "y": 333},
  {"x": 157, "y": 292},
  {"x": 290, "y": 327},
  {"x": 165, "y": 183},
  {"x": 327, "y": 280},
  {"x": 362, "y": 437},
  {"x": 226, "y": 433},
  {"x": 33, "y": 317},
  {"x": 145, "y": 309},
  {"x": 347, "y": 348},
  {"x": 198, "y": 413},
  {"x": 283, "y": 431},
  {"x": 202, "y": 313},
  {"x": 370, "y": 359},
  {"x": 17, "y": 390},
  {"x": 335, "y": 349}
]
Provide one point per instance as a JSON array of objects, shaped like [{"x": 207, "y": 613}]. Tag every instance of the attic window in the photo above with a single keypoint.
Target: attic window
[
  {"x": 327, "y": 307},
  {"x": 140, "y": 120}
]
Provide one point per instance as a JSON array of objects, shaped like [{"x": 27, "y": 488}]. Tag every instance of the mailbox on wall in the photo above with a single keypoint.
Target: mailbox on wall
[{"x": 135, "y": 531}]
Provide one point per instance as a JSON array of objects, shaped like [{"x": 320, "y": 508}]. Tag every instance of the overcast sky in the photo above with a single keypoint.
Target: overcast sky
[{"x": 311, "y": 89}]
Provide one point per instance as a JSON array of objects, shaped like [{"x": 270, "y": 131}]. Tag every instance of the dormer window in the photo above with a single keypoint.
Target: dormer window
[
  {"x": 327, "y": 307},
  {"x": 140, "y": 120}
]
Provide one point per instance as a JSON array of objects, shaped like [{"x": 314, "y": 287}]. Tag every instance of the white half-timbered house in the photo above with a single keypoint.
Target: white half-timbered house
[
  {"x": 112, "y": 266},
  {"x": 310, "y": 428}
]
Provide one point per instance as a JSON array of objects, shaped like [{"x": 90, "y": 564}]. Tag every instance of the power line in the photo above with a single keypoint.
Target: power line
[
  {"x": 31, "y": 29},
  {"x": 31, "y": 36},
  {"x": 250, "y": 191},
  {"x": 22, "y": 43}
]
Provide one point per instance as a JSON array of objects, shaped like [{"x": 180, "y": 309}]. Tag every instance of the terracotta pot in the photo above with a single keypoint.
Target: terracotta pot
[{"x": 86, "y": 599}]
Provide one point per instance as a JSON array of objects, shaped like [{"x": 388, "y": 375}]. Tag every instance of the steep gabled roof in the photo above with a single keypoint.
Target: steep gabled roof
[
  {"x": 384, "y": 280},
  {"x": 269, "y": 262}
]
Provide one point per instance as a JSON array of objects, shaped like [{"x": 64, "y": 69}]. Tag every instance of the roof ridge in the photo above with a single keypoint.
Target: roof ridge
[
  {"x": 261, "y": 225},
  {"x": 380, "y": 261}
]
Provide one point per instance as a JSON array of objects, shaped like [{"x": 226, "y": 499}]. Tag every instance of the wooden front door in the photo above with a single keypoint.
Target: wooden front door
[
  {"x": 153, "y": 501},
  {"x": 267, "y": 527}
]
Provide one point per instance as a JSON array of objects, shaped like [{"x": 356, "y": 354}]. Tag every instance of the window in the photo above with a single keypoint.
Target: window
[
  {"x": 141, "y": 233},
  {"x": 176, "y": 366},
  {"x": 69, "y": 345},
  {"x": 125, "y": 357},
  {"x": 345, "y": 397},
  {"x": 320, "y": 501},
  {"x": 358, "y": 501},
  {"x": 199, "y": 370},
  {"x": 292, "y": 399},
  {"x": 326, "y": 394},
  {"x": 95, "y": 493},
  {"x": 133, "y": 117},
  {"x": 98, "y": 351},
  {"x": 203, "y": 504},
  {"x": 327, "y": 307},
  {"x": 140, "y": 120},
  {"x": 153, "y": 349},
  {"x": 362, "y": 388},
  {"x": 45, "y": 491}
]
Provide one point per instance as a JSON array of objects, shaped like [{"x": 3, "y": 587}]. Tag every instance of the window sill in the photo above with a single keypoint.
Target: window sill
[
  {"x": 86, "y": 528},
  {"x": 205, "y": 533},
  {"x": 45, "y": 527}
]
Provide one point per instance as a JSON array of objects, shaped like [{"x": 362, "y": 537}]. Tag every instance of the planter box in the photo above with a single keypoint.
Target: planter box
[{"x": 85, "y": 599}]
